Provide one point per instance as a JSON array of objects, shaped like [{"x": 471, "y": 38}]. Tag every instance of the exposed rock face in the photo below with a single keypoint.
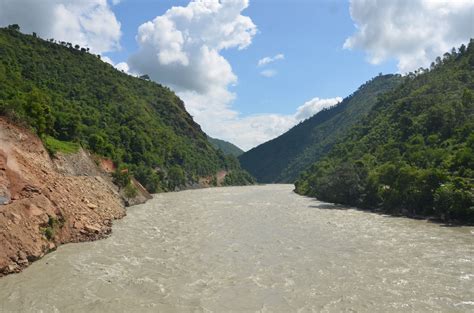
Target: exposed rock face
[
  {"x": 142, "y": 195},
  {"x": 211, "y": 181},
  {"x": 43, "y": 204}
]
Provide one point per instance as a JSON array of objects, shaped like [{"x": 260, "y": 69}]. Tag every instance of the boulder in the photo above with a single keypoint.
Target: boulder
[
  {"x": 5, "y": 195},
  {"x": 92, "y": 206}
]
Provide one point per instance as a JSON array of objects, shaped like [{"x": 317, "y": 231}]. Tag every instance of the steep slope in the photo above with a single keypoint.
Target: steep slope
[
  {"x": 414, "y": 153},
  {"x": 41, "y": 206},
  {"x": 283, "y": 158},
  {"x": 66, "y": 93},
  {"x": 227, "y": 147}
]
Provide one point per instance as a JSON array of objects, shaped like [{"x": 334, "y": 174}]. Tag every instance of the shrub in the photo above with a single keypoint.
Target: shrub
[{"x": 130, "y": 191}]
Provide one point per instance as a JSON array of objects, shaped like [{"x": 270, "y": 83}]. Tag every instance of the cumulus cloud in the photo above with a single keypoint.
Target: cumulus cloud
[
  {"x": 89, "y": 23},
  {"x": 414, "y": 32},
  {"x": 313, "y": 106},
  {"x": 268, "y": 73},
  {"x": 250, "y": 131},
  {"x": 121, "y": 66},
  {"x": 268, "y": 60},
  {"x": 181, "y": 48}
]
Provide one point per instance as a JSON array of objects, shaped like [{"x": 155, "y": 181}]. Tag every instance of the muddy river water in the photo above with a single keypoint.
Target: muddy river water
[{"x": 253, "y": 249}]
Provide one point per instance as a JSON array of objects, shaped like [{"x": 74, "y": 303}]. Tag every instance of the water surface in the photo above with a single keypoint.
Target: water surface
[{"x": 253, "y": 249}]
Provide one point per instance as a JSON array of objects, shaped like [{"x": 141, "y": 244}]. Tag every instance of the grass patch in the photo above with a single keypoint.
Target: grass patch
[
  {"x": 48, "y": 232},
  {"x": 54, "y": 145},
  {"x": 49, "y": 229}
]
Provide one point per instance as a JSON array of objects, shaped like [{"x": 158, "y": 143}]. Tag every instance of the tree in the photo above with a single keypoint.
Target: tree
[
  {"x": 14, "y": 27},
  {"x": 96, "y": 143},
  {"x": 176, "y": 177},
  {"x": 39, "y": 112}
]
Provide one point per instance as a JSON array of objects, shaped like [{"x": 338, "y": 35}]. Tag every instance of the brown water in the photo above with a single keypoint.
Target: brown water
[{"x": 253, "y": 249}]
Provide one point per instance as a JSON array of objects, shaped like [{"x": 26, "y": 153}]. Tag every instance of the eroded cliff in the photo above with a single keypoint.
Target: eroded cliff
[{"x": 45, "y": 202}]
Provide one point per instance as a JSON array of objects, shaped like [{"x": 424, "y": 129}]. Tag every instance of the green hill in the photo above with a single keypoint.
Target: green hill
[
  {"x": 414, "y": 153},
  {"x": 64, "y": 92},
  {"x": 225, "y": 146},
  {"x": 284, "y": 158}
]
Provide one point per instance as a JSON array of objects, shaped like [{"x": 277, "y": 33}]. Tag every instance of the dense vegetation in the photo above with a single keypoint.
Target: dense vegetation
[
  {"x": 225, "y": 146},
  {"x": 66, "y": 94},
  {"x": 284, "y": 158},
  {"x": 414, "y": 153}
]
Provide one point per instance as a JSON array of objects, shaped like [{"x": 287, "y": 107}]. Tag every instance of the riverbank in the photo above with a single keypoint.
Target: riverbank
[
  {"x": 443, "y": 220},
  {"x": 46, "y": 202}
]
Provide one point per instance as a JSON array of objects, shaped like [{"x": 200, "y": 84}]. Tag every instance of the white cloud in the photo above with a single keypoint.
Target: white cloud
[
  {"x": 181, "y": 48},
  {"x": 107, "y": 60},
  {"x": 89, "y": 23},
  {"x": 313, "y": 106},
  {"x": 268, "y": 60},
  {"x": 414, "y": 32},
  {"x": 250, "y": 131},
  {"x": 268, "y": 73},
  {"x": 123, "y": 66}
]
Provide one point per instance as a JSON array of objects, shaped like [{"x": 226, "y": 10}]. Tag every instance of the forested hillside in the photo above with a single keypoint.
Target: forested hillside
[
  {"x": 284, "y": 158},
  {"x": 414, "y": 153},
  {"x": 61, "y": 91},
  {"x": 227, "y": 147}
]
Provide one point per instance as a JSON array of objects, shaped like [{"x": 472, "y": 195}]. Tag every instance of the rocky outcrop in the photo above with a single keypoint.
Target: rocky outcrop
[
  {"x": 141, "y": 195},
  {"x": 45, "y": 203}
]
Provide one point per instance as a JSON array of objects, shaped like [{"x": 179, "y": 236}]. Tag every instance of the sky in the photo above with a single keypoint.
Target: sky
[{"x": 248, "y": 70}]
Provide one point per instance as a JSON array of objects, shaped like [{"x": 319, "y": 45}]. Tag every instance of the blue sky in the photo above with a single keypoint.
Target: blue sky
[
  {"x": 208, "y": 51},
  {"x": 310, "y": 33}
]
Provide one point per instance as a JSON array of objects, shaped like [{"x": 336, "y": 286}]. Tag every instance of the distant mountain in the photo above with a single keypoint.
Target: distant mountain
[
  {"x": 284, "y": 158},
  {"x": 414, "y": 153},
  {"x": 62, "y": 91},
  {"x": 225, "y": 146}
]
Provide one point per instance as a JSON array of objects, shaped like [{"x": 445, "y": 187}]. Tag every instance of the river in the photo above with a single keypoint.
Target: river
[{"x": 253, "y": 249}]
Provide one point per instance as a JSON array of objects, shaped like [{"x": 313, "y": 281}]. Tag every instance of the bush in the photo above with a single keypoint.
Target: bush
[
  {"x": 176, "y": 177},
  {"x": 121, "y": 176},
  {"x": 130, "y": 191},
  {"x": 48, "y": 232}
]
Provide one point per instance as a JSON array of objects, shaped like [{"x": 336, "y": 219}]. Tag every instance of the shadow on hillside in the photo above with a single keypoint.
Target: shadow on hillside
[{"x": 429, "y": 219}]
